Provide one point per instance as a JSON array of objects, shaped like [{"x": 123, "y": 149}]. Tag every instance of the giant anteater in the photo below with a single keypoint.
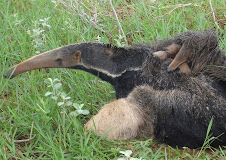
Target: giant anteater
[{"x": 172, "y": 107}]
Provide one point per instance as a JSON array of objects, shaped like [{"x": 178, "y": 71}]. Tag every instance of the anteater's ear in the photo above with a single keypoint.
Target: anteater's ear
[{"x": 78, "y": 57}]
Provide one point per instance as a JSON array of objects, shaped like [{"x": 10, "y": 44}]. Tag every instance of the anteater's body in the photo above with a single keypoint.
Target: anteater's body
[{"x": 171, "y": 107}]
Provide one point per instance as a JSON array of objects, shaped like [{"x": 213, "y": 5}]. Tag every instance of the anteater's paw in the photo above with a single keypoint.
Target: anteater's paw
[{"x": 184, "y": 68}]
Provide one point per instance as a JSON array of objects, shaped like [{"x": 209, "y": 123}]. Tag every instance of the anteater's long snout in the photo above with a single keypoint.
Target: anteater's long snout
[{"x": 63, "y": 57}]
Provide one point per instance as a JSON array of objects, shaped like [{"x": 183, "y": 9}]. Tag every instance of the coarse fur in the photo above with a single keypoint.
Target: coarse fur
[
  {"x": 172, "y": 107},
  {"x": 200, "y": 50}
]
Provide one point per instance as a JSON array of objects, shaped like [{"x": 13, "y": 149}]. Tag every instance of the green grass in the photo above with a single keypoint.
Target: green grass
[{"x": 22, "y": 100}]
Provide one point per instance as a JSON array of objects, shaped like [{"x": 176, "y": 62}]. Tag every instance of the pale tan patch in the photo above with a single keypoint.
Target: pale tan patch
[
  {"x": 180, "y": 58},
  {"x": 162, "y": 55},
  {"x": 110, "y": 52},
  {"x": 173, "y": 49},
  {"x": 185, "y": 68},
  {"x": 78, "y": 57},
  {"x": 120, "y": 119},
  {"x": 171, "y": 52}
]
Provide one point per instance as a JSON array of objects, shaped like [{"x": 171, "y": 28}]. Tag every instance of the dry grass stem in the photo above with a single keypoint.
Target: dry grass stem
[
  {"x": 116, "y": 16},
  {"x": 23, "y": 140},
  {"x": 179, "y": 6},
  {"x": 214, "y": 18},
  {"x": 83, "y": 17}
]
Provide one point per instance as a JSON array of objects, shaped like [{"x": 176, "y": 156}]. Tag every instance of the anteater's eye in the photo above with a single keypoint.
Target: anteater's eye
[{"x": 59, "y": 60}]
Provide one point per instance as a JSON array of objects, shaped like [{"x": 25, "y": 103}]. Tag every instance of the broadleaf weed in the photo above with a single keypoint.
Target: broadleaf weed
[
  {"x": 126, "y": 155},
  {"x": 64, "y": 101}
]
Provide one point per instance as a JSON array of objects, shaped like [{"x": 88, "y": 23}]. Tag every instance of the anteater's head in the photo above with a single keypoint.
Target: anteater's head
[{"x": 64, "y": 57}]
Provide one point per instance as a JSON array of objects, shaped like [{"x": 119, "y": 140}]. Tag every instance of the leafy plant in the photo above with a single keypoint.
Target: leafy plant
[
  {"x": 37, "y": 34},
  {"x": 65, "y": 100},
  {"x": 119, "y": 41},
  {"x": 127, "y": 155},
  {"x": 78, "y": 110}
]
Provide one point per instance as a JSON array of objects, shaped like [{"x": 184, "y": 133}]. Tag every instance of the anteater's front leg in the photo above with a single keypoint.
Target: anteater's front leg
[
  {"x": 120, "y": 120},
  {"x": 180, "y": 59},
  {"x": 179, "y": 56}
]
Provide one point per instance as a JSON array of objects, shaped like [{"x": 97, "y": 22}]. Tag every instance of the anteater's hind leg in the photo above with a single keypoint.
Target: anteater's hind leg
[
  {"x": 172, "y": 51},
  {"x": 119, "y": 119}
]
